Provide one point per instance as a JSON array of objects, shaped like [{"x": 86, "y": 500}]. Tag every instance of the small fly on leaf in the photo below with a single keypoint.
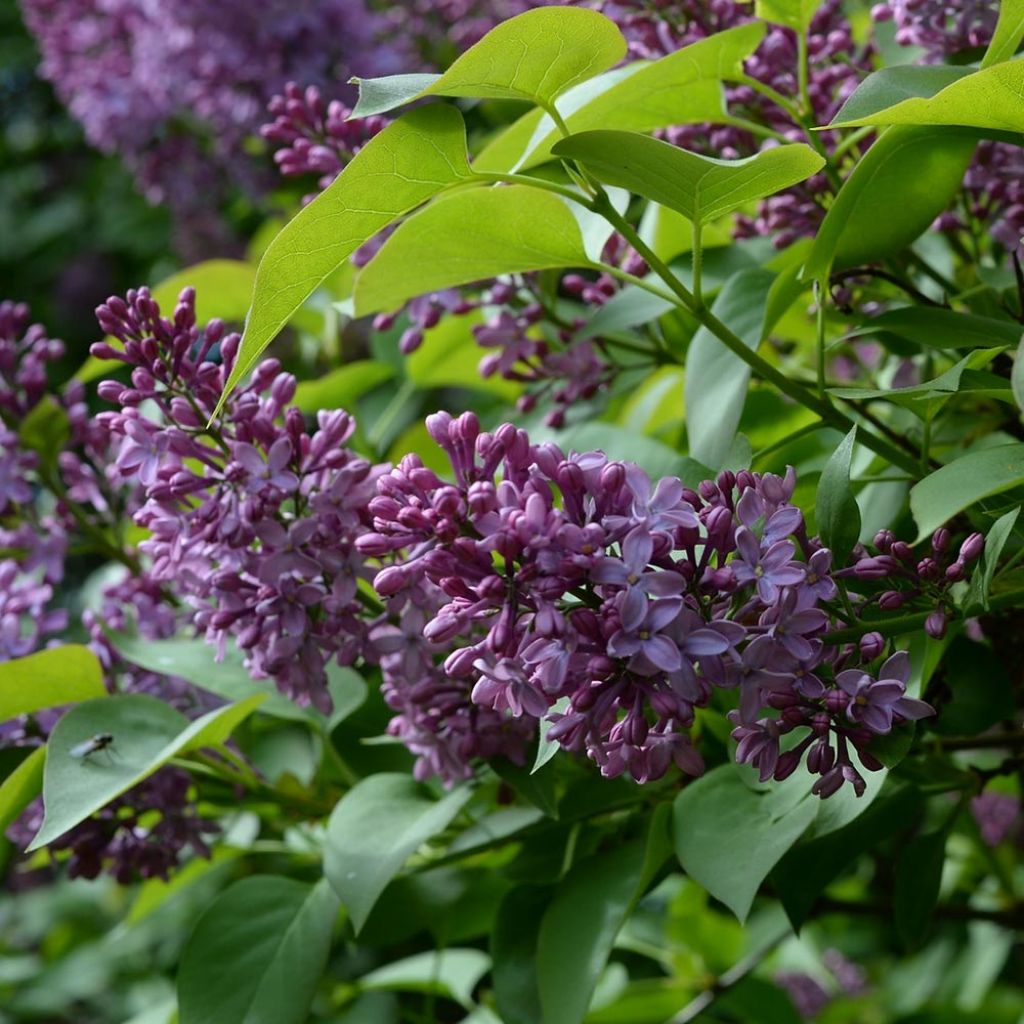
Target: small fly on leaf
[{"x": 101, "y": 741}]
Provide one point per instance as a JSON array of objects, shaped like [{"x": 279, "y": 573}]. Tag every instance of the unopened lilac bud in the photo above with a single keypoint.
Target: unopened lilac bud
[
  {"x": 110, "y": 390},
  {"x": 884, "y": 540},
  {"x": 971, "y": 548},
  {"x": 940, "y": 540},
  {"x": 787, "y": 764},
  {"x": 726, "y": 481},
  {"x": 390, "y": 580},
  {"x": 875, "y": 568},
  {"x": 892, "y": 600},
  {"x": 871, "y": 645},
  {"x": 411, "y": 339},
  {"x": 935, "y": 624},
  {"x": 956, "y": 571},
  {"x": 927, "y": 568},
  {"x": 613, "y": 476},
  {"x": 903, "y": 551}
]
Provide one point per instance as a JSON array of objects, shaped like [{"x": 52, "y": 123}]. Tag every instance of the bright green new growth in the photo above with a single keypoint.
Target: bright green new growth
[
  {"x": 407, "y": 163},
  {"x": 681, "y": 88},
  {"x": 473, "y": 235},
  {"x": 1008, "y": 34},
  {"x": 535, "y": 56},
  {"x": 794, "y": 14},
  {"x": 699, "y": 187}
]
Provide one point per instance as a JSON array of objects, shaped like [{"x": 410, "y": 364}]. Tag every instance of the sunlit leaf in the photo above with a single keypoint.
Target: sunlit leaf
[
  {"x": 47, "y": 679},
  {"x": 413, "y": 159},
  {"x": 701, "y": 188},
  {"x": 470, "y": 236}
]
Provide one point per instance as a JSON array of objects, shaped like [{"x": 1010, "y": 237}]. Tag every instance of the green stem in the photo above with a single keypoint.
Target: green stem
[
  {"x": 698, "y": 262},
  {"x": 851, "y": 140},
  {"x": 754, "y": 128},
  {"x": 900, "y": 624},
  {"x": 820, "y": 290},
  {"x": 525, "y": 179}
]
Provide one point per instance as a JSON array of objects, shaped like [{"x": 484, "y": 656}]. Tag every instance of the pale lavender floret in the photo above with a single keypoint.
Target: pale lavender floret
[{"x": 768, "y": 569}]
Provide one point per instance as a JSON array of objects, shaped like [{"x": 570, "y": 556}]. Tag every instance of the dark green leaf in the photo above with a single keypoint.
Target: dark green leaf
[
  {"x": 538, "y": 786},
  {"x": 627, "y": 308},
  {"x": 804, "y": 872},
  {"x": 981, "y": 578},
  {"x": 717, "y": 380},
  {"x": 729, "y": 837},
  {"x": 257, "y": 954},
  {"x": 944, "y": 328},
  {"x": 21, "y": 787},
  {"x": 699, "y": 187},
  {"x": 578, "y": 930},
  {"x": 888, "y": 86},
  {"x": 1017, "y": 375},
  {"x": 514, "y": 952},
  {"x": 45, "y": 431},
  {"x": 978, "y": 690},
  {"x": 193, "y": 659},
  {"x": 835, "y": 509},
  {"x": 470, "y": 236},
  {"x": 898, "y": 187},
  {"x": 918, "y": 875},
  {"x": 147, "y": 734},
  {"x": 452, "y": 973},
  {"x": 413, "y": 159},
  {"x": 962, "y": 482},
  {"x": 987, "y": 99},
  {"x": 48, "y": 679},
  {"x": 374, "y": 829}
]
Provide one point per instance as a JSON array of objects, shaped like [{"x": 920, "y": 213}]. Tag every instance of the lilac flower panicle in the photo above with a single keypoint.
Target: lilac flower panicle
[
  {"x": 253, "y": 523},
  {"x": 627, "y": 601}
]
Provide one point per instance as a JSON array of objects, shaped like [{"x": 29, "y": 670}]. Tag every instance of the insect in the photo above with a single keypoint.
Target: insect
[{"x": 101, "y": 741}]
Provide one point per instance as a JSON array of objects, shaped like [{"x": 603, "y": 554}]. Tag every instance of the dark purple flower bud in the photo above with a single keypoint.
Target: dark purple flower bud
[
  {"x": 971, "y": 548},
  {"x": 935, "y": 624},
  {"x": 871, "y": 646},
  {"x": 884, "y": 540},
  {"x": 940, "y": 540},
  {"x": 955, "y": 571}
]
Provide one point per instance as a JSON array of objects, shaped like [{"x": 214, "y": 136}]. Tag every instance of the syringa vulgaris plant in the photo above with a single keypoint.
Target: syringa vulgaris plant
[{"x": 662, "y": 667}]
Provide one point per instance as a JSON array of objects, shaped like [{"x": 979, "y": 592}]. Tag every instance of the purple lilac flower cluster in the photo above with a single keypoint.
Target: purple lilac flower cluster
[
  {"x": 123, "y": 838},
  {"x": 314, "y": 136},
  {"x": 615, "y": 611},
  {"x": 911, "y": 579},
  {"x": 810, "y": 996},
  {"x": 940, "y": 27},
  {"x": 253, "y": 522},
  {"x": 176, "y": 88}
]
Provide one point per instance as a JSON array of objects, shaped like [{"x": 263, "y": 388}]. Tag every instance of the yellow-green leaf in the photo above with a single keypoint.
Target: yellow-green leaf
[
  {"x": 699, "y": 187},
  {"x": 413, "y": 159},
  {"x": 223, "y": 290},
  {"x": 48, "y": 679},
  {"x": 470, "y": 236}
]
